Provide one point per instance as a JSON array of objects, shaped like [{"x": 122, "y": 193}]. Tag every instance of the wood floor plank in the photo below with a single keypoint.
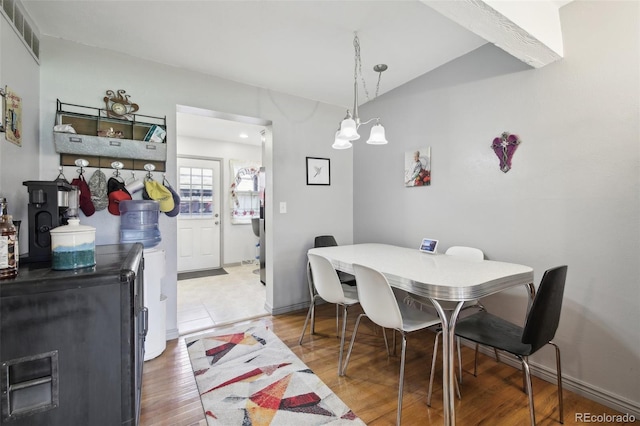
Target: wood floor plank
[{"x": 170, "y": 396}]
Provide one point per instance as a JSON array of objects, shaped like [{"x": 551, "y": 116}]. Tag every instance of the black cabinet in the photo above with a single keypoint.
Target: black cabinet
[{"x": 72, "y": 342}]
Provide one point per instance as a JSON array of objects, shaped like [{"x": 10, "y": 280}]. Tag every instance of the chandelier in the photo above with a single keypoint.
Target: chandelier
[{"x": 348, "y": 130}]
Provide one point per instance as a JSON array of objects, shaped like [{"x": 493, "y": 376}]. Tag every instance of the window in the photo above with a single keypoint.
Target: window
[
  {"x": 196, "y": 193},
  {"x": 245, "y": 195}
]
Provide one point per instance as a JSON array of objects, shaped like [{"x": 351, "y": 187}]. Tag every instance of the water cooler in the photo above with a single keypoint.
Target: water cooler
[
  {"x": 155, "y": 302},
  {"x": 139, "y": 223}
]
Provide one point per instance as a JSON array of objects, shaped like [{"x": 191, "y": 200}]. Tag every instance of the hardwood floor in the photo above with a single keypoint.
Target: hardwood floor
[{"x": 170, "y": 396}]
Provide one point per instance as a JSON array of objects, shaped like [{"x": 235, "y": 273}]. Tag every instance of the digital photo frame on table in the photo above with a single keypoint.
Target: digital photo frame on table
[{"x": 429, "y": 245}]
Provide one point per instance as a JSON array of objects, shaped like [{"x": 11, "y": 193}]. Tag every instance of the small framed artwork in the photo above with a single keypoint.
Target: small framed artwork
[
  {"x": 417, "y": 167},
  {"x": 318, "y": 171}
]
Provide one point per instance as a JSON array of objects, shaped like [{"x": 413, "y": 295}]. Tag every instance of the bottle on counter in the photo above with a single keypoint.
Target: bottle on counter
[
  {"x": 17, "y": 223},
  {"x": 8, "y": 254}
]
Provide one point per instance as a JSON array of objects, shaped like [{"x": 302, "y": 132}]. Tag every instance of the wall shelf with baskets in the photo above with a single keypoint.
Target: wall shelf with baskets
[{"x": 101, "y": 139}]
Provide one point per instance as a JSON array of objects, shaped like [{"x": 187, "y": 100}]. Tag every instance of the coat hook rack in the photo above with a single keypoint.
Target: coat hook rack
[
  {"x": 81, "y": 163},
  {"x": 61, "y": 175},
  {"x": 149, "y": 168},
  {"x": 117, "y": 166}
]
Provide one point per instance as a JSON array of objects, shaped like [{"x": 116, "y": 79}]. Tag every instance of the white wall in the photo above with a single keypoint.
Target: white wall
[
  {"x": 80, "y": 74},
  {"x": 19, "y": 71},
  {"x": 572, "y": 196},
  {"x": 239, "y": 241}
]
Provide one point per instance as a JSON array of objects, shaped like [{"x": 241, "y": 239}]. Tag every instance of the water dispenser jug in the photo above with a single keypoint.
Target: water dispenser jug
[{"x": 139, "y": 222}]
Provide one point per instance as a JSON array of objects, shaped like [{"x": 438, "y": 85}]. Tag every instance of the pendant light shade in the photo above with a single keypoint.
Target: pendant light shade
[
  {"x": 340, "y": 143},
  {"x": 348, "y": 130},
  {"x": 377, "y": 135}
]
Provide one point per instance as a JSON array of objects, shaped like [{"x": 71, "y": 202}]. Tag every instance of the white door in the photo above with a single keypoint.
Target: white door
[{"x": 199, "y": 219}]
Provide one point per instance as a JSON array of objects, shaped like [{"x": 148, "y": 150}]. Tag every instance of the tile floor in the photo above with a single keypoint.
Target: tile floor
[{"x": 213, "y": 301}]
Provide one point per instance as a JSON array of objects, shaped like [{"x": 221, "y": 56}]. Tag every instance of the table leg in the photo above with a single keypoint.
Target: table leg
[{"x": 448, "y": 375}]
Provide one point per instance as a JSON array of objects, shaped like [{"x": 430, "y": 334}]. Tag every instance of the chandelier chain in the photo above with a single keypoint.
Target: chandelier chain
[
  {"x": 358, "y": 66},
  {"x": 378, "y": 85}
]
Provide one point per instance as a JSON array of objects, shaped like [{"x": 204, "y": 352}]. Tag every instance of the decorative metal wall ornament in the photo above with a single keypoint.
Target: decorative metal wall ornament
[
  {"x": 118, "y": 105},
  {"x": 504, "y": 147}
]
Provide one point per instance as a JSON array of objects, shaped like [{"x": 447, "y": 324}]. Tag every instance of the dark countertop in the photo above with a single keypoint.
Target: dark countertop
[{"x": 112, "y": 259}]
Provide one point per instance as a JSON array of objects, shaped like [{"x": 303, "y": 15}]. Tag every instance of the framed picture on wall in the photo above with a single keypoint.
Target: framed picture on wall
[
  {"x": 318, "y": 171},
  {"x": 417, "y": 167}
]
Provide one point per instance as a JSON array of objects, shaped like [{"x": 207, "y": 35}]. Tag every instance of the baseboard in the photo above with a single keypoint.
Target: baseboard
[
  {"x": 601, "y": 396},
  {"x": 173, "y": 334},
  {"x": 286, "y": 309}
]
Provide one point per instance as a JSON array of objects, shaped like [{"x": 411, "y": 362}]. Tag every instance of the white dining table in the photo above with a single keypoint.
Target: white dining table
[{"x": 439, "y": 277}]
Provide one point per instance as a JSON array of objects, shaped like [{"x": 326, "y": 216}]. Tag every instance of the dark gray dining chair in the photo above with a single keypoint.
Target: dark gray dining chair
[{"x": 539, "y": 329}]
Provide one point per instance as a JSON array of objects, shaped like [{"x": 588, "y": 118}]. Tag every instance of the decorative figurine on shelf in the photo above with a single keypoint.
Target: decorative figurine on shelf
[
  {"x": 118, "y": 105},
  {"x": 504, "y": 147}
]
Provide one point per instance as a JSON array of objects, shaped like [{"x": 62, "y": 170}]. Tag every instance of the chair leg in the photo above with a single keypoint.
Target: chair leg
[
  {"x": 344, "y": 329},
  {"x": 559, "y": 374},
  {"x": 401, "y": 381},
  {"x": 386, "y": 343},
  {"x": 459, "y": 361},
  {"x": 475, "y": 362},
  {"x": 337, "y": 320},
  {"x": 524, "y": 377},
  {"x": 312, "y": 295},
  {"x": 433, "y": 367},
  {"x": 525, "y": 369},
  {"x": 310, "y": 313},
  {"x": 394, "y": 341},
  {"x": 353, "y": 339}
]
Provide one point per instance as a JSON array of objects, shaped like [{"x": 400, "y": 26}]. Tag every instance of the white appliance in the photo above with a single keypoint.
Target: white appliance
[{"x": 155, "y": 302}]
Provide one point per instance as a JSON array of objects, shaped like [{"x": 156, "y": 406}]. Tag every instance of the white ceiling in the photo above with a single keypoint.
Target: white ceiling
[{"x": 304, "y": 47}]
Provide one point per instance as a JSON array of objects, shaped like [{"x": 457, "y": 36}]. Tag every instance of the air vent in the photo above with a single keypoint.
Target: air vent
[
  {"x": 15, "y": 15},
  {"x": 7, "y": 6}
]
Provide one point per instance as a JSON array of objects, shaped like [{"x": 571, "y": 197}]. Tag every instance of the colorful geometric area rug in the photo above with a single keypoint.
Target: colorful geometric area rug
[{"x": 247, "y": 376}]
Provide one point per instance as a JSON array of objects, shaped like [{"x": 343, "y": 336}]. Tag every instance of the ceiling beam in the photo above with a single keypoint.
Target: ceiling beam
[{"x": 527, "y": 30}]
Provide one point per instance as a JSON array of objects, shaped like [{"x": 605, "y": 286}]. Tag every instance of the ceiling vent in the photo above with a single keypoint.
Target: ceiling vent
[{"x": 14, "y": 15}]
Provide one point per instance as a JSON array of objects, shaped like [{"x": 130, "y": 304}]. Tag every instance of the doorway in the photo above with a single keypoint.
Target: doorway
[
  {"x": 210, "y": 144},
  {"x": 199, "y": 239}
]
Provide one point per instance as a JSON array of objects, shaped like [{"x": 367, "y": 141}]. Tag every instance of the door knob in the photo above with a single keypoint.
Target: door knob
[{"x": 217, "y": 222}]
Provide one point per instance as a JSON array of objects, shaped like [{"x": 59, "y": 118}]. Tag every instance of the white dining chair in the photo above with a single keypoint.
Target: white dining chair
[
  {"x": 347, "y": 281},
  {"x": 328, "y": 287},
  {"x": 381, "y": 306}
]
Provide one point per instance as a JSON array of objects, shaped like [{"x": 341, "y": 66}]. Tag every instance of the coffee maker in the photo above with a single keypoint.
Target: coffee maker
[{"x": 50, "y": 204}]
